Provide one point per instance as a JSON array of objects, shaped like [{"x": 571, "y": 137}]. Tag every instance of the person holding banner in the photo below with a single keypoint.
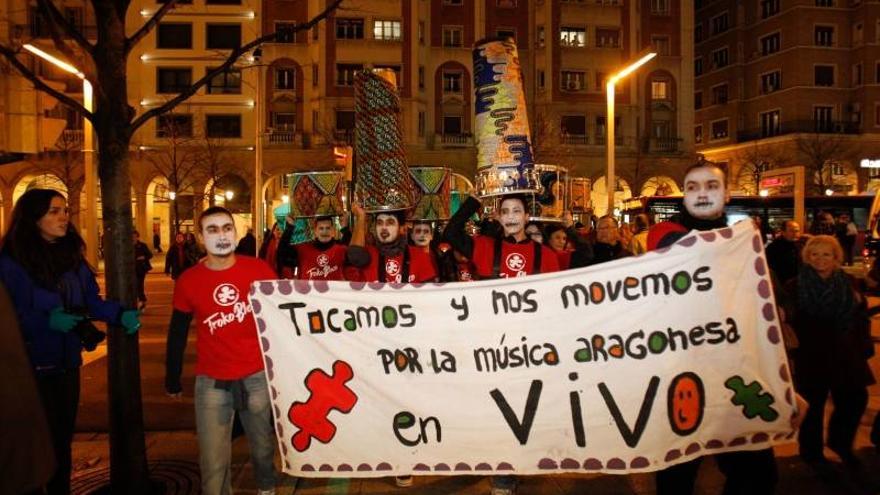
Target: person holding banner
[
  {"x": 747, "y": 472},
  {"x": 829, "y": 316},
  {"x": 391, "y": 259},
  {"x": 322, "y": 258},
  {"x": 230, "y": 375},
  {"x": 514, "y": 255}
]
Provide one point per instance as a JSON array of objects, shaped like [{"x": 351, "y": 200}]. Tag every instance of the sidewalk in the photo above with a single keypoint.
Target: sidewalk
[{"x": 172, "y": 448}]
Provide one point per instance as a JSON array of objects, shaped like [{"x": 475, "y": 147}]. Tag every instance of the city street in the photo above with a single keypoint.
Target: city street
[{"x": 173, "y": 451}]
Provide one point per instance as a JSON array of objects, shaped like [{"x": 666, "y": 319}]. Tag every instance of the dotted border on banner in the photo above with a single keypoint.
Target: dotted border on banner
[{"x": 773, "y": 335}]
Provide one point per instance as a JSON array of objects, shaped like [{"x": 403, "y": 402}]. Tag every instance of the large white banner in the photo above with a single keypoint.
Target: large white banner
[{"x": 627, "y": 366}]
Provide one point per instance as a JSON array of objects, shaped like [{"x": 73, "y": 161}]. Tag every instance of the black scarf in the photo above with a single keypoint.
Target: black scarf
[
  {"x": 393, "y": 248},
  {"x": 693, "y": 223},
  {"x": 829, "y": 299}
]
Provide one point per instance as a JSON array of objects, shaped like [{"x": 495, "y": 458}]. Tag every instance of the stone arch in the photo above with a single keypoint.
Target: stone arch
[
  {"x": 235, "y": 194},
  {"x": 452, "y": 104},
  {"x": 599, "y": 196},
  {"x": 35, "y": 180},
  {"x": 660, "y": 185}
]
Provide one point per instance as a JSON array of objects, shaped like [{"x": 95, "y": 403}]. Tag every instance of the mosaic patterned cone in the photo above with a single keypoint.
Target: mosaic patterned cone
[
  {"x": 431, "y": 193},
  {"x": 505, "y": 162},
  {"x": 383, "y": 182},
  {"x": 316, "y": 194}
]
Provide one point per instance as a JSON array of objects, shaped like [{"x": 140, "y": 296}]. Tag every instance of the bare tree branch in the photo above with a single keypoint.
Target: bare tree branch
[
  {"x": 56, "y": 19},
  {"x": 233, "y": 57},
  {"x": 144, "y": 30},
  {"x": 38, "y": 83}
]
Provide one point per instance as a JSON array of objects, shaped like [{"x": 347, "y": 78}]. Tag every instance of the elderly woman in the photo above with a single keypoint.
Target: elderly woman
[{"x": 828, "y": 316}]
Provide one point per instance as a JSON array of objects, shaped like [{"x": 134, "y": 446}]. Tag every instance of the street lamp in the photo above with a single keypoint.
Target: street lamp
[
  {"x": 609, "y": 123},
  {"x": 258, "y": 149},
  {"x": 90, "y": 219},
  {"x": 229, "y": 195}
]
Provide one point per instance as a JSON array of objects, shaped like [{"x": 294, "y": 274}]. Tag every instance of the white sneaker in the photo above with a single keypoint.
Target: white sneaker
[{"x": 403, "y": 481}]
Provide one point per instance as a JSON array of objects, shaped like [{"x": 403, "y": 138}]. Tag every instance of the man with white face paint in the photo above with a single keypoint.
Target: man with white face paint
[
  {"x": 747, "y": 472},
  {"x": 421, "y": 234},
  {"x": 229, "y": 364},
  {"x": 705, "y": 195},
  {"x": 322, "y": 258},
  {"x": 391, "y": 259},
  {"x": 513, "y": 255}
]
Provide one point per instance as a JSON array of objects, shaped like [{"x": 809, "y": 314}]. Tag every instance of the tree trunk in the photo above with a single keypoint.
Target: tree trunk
[
  {"x": 113, "y": 117},
  {"x": 128, "y": 461}
]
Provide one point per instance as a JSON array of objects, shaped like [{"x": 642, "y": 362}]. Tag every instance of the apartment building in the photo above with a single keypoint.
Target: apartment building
[
  {"x": 294, "y": 99},
  {"x": 779, "y": 81}
]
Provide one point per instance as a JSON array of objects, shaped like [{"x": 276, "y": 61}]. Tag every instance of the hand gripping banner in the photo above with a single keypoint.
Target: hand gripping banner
[{"x": 627, "y": 366}]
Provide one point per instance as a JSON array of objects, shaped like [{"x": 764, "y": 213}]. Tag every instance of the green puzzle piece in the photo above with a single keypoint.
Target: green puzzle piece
[{"x": 751, "y": 398}]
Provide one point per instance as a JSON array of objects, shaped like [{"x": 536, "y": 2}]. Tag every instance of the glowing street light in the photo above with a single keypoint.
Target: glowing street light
[
  {"x": 609, "y": 122},
  {"x": 90, "y": 218},
  {"x": 285, "y": 198},
  {"x": 763, "y": 193},
  {"x": 229, "y": 195},
  {"x": 172, "y": 195},
  {"x": 829, "y": 192}
]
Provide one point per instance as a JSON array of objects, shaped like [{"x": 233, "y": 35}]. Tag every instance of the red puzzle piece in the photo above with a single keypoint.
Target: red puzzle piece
[{"x": 327, "y": 393}]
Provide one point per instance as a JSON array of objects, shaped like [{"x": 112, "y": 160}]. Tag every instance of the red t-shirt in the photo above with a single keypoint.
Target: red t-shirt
[
  {"x": 315, "y": 264},
  {"x": 465, "y": 271},
  {"x": 517, "y": 259},
  {"x": 421, "y": 266},
  {"x": 226, "y": 343}
]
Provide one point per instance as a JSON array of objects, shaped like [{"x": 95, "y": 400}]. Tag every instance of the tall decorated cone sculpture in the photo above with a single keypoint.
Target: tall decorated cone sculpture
[
  {"x": 505, "y": 162},
  {"x": 382, "y": 179}
]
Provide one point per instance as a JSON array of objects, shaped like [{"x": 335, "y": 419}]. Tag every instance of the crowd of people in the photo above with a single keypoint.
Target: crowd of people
[{"x": 825, "y": 313}]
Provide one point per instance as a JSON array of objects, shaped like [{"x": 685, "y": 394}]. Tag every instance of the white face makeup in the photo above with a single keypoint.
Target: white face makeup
[
  {"x": 387, "y": 228},
  {"x": 422, "y": 235},
  {"x": 704, "y": 193},
  {"x": 218, "y": 234},
  {"x": 512, "y": 216},
  {"x": 325, "y": 231}
]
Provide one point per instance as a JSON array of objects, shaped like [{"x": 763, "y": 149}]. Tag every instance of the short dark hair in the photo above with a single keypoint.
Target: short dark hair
[
  {"x": 707, "y": 164},
  {"x": 642, "y": 221},
  {"x": 400, "y": 215},
  {"x": 324, "y": 219},
  {"x": 213, "y": 210},
  {"x": 518, "y": 196}
]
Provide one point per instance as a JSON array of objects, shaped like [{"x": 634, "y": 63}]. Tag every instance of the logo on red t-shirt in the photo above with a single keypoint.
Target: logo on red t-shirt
[
  {"x": 225, "y": 295},
  {"x": 392, "y": 267},
  {"x": 322, "y": 259},
  {"x": 515, "y": 262}
]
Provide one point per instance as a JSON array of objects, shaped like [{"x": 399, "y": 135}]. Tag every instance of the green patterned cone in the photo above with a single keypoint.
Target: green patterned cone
[{"x": 382, "y": 181}]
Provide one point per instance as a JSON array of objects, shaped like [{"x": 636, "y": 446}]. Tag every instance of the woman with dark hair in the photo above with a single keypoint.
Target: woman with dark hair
[
  {"x": 55, "y": 294},
  {"x": 269, "y": 249},
  {"x": 557, "y": 239}
]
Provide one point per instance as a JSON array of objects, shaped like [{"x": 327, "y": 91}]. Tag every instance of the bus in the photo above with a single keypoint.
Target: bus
[{"x": 773, "y": 210}]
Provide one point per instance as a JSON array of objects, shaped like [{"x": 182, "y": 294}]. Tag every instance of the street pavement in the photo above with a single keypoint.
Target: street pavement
[{"x": 172, "y": 447}]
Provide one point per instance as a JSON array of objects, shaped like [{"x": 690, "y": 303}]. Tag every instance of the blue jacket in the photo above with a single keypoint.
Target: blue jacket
[{"x": 51, "y": 351}]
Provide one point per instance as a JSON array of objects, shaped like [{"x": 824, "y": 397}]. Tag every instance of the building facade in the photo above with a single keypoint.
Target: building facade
[
  {"x": 786, "y": 83},
  {"x": 294, "y": 99}
]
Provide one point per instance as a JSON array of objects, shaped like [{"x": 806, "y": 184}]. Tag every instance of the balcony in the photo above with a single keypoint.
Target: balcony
[
  {"x": 70, "y": 139},
  {"x": 574, "y": 139},
  {"x": 796, "y": 126},
  {"x": 456, "y": 140},
  {"x": 284, "y": 137},
  {"x": 662, "y": 145},
  {"x": 344, "y": 137}
]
